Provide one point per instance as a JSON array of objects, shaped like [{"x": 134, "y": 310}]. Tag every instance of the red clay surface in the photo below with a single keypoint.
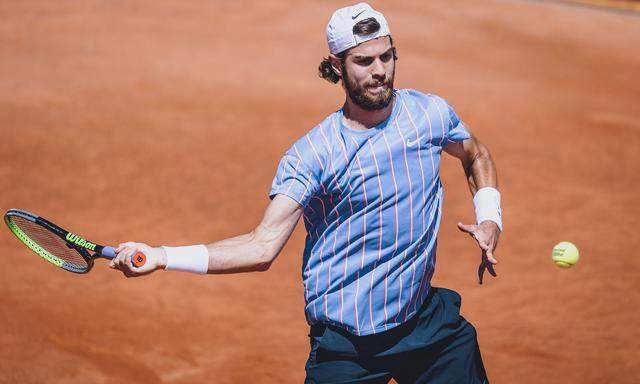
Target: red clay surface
[{"x": 163, "y": 122}]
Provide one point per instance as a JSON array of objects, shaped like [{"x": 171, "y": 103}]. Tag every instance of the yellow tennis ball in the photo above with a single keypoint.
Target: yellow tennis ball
[{"x": 565, "y": 254}]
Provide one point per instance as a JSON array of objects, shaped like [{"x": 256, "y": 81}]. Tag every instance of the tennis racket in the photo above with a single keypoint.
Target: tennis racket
[{"x": 58, "y": 246}]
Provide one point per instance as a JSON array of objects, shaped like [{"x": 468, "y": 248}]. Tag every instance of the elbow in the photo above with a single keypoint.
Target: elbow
[
  {"x": 263, "y": 267},
  {"x": 268, "y": 241},
  {"x": 265, "y": 256},
  {"x": 264, "y": 262}
]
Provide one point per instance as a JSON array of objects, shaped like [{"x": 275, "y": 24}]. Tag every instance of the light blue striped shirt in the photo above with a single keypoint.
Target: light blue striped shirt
[{"x": 372, "y": 205}]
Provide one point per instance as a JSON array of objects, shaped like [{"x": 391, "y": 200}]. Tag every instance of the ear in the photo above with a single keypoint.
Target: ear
[{"x": 335, "y": 64}]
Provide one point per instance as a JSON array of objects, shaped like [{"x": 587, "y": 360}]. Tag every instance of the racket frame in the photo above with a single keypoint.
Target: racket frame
[{"x": 72, "y": 240}]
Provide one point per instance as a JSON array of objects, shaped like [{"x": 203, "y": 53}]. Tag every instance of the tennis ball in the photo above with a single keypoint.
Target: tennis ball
[{"x": 565, "y": 254}]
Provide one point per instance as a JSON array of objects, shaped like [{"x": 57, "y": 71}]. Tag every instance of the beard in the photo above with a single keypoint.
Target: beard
[{"x": 362, "y": 97}]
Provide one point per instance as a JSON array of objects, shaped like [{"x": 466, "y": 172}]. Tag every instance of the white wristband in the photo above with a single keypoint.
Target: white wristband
[
  {"x": 487, "y": 204},
  {"x": 193, "y": 258}
]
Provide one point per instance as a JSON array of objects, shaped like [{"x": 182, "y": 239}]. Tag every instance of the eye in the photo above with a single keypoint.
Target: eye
[
  {"x": 386, "y": 57},
  {"x": 364, "y": 61}
]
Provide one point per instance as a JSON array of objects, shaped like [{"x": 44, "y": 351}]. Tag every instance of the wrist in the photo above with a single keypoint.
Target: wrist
[
  {"x": 487, "y": 206},
  {"x": 162, "y": 258},
  {"x": 192, "y": 258}
]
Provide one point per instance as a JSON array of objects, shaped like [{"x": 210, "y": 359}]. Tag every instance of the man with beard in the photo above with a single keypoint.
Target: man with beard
[{"x": 366, "y": 182}]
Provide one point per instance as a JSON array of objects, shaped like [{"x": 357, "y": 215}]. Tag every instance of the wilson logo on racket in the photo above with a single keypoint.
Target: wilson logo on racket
[
  {"x": 79, "y": 241},
  {"x": 53, "y": 243}
]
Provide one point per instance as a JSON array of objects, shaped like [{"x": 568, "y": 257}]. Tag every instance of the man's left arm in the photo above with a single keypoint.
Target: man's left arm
[{"x": 481, "y": 175}]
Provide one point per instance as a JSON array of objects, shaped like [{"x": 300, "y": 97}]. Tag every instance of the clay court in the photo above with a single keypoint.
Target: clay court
[{"x": 163, "y": 122}]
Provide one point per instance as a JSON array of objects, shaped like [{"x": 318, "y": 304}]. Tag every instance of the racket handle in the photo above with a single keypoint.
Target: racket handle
[
  {"x": 138, "y": 259},
  {"x": 108, "y": 252}
]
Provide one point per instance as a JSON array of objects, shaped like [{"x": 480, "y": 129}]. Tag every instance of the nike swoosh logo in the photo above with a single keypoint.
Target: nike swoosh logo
[
  {"x": 412, "y": 143},
  {"x": 358, "y": 14}
]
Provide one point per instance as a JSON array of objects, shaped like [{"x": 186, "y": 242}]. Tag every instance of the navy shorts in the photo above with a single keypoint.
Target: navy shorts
[{"x": 436, "y": 345}]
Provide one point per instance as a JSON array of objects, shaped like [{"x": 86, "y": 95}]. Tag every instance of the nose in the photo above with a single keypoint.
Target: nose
[{"x": 377, "y": 69}]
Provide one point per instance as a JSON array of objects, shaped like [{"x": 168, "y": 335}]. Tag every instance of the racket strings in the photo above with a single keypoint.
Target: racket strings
[{"x": 50, "y": 242}]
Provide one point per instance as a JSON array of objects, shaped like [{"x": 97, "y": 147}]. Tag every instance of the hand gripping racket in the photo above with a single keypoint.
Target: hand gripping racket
[{"x": 58, "y": 246}]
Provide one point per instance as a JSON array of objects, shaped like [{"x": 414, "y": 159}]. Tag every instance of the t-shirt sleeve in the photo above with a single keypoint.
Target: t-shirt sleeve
[
  {"x": 441, "y": 112},
  {"x": 294, "y": 179},
  {"x": 457, "y": 131}
]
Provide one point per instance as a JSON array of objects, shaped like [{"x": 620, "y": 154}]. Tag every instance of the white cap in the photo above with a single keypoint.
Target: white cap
[{"x": 340, "y": 36}]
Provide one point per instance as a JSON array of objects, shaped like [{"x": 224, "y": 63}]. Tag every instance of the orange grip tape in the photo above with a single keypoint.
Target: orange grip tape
[{"x": 139, "y": 259}]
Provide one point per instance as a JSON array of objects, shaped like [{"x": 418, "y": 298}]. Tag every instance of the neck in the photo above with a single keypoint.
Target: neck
[{"x": 357, "y": 117}]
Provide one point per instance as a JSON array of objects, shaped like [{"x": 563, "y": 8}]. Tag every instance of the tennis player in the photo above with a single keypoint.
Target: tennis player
[{"x": 366, "y": 182}]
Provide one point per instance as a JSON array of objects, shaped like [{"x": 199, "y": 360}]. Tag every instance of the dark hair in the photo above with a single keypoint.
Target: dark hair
[{"x": 362, "y": 28}]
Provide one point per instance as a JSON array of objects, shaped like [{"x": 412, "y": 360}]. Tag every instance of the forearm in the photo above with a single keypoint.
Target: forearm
[
  {"x": 480, "y": 170},
  {"x": 483, "y": 183},
  {"x": 254, "y": 251},
  {"x": 244, "y": 253}
]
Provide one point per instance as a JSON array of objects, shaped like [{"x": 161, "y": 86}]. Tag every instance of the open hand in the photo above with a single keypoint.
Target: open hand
[{"x": 486, "y": 234}]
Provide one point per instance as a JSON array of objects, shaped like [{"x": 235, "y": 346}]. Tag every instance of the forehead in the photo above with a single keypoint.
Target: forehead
[{"x": 373, "y": 47}]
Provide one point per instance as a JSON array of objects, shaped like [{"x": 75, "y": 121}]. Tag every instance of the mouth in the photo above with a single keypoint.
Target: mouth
[{"x": 377, "y": 88}]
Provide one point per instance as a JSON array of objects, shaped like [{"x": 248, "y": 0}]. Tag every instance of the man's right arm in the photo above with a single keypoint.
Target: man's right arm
[{"x": 254, "y": 251}]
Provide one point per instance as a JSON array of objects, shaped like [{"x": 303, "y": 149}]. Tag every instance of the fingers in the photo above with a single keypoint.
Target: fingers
[
  {"x": 490, "y": 257},
  {"x": 483, "y": 245},
  {"x": 481, "y": 270},
  {"x": 129, "y": 244},
  {"x": 473, "y": 231},
  {"x": 125, "y": 254},
  {"x": 123, "y": 262},
  {"x": 468, "y": 228},
  {"x": 487, "y": 251},
  {"x": 485, "y": 265},
  {"x": 486, "y": 246},
  {"x": 486, "y": 237},
  {"x": 491, "y": 270}
]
